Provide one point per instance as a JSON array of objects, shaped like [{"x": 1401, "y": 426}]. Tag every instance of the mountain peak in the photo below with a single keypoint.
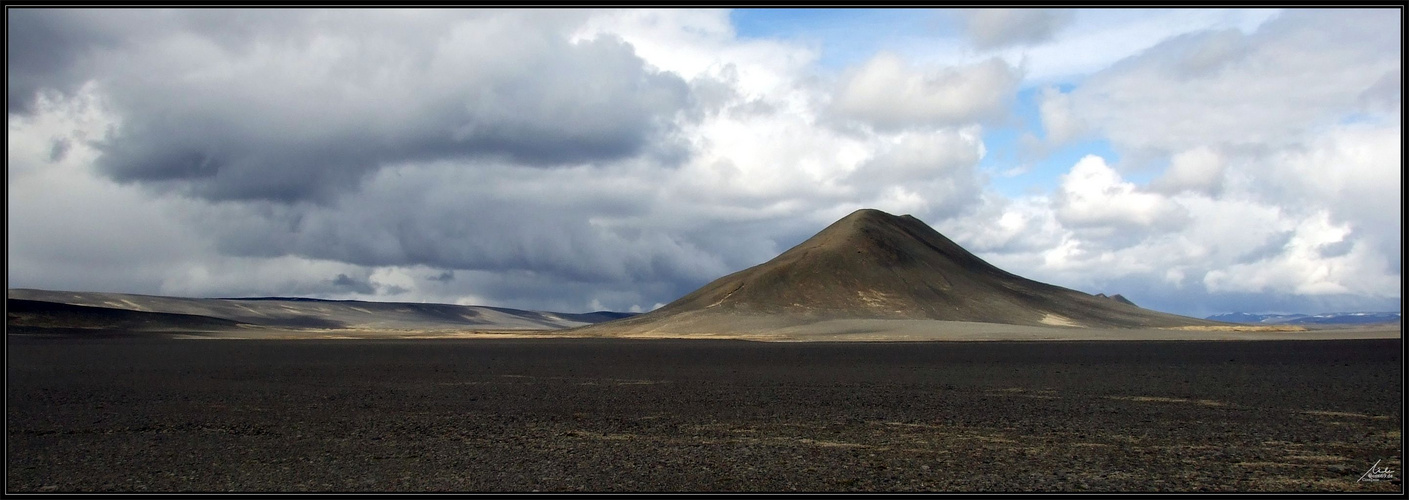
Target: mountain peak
[
  {"x": 867, "y": 223},
  {"x": 870, "y": 237},
  {"x": 1117, "y": 297},
  {"x": 872, "y": 215}
]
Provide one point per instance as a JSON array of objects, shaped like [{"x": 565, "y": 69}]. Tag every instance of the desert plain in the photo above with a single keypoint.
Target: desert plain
[{"x": 132, "y": 412}]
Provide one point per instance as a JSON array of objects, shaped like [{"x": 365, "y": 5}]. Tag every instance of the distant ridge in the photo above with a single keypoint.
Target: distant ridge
[
  {"x": 297, "y": 312},
  {"x": 874, "y": 265},
  {"x": 35, "y": 313}
]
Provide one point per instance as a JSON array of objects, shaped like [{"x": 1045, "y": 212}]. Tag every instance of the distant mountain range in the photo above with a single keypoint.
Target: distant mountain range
[{"x": 1341, "y": 318}]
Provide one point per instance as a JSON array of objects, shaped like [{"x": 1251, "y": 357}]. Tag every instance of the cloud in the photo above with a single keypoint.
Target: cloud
[
  {"x": 701, "y": 42},
  {"x": 1198, "y": 170},
  {"x": 998, "y": 28},
  {"x": 444, "y": 277},
  {"x": 351, "y": 285},
  {"x": 1094, "y": 195},
  {"x": 214, "y": 275},
  {"x": 308, "y": 110},
  {"x": 1000, "y": 227},
  {"x": 1226, "y": 250},
  {"x": 1304, "y": 267},
  {"x": 1385, "y": 95},
  {"x": 71, "y": 229},
  {"x": 44, "y": 46},
  {"x": 931, "y": 173},
  {"x": 1335, "y": 249},
  {"x": 1276, "y": 159},
  {"x": 437, "y": 215},
  {"x": 1353, "y": 173},
  {"x": 1095, "y": 39},
  {"x": 1275, "y": 154},
  {"x": 1058, "y": 121},
  {"x": 346, "y": 167},
  {"x": 1274, "y": 246},
  {"x": 888, "y": 94},
  {"x": 1242, "y": 92}
]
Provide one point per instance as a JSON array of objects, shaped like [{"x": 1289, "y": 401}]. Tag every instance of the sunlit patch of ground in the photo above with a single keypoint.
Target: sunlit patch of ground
[{"x": 1058, "y": 320}]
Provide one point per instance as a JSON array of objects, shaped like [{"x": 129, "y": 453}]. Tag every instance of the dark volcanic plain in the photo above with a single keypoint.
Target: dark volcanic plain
[{"x": 142, "y": 413}]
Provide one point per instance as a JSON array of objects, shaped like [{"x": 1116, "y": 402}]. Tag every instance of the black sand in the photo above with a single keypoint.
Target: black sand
[{"x": 148, "y": 414}]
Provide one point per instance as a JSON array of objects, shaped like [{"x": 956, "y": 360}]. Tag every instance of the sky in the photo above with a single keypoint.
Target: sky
[{"x": 1196, "y": 161}]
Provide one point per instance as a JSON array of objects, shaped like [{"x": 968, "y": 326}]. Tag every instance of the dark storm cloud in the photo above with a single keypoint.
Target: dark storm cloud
[
  {"x": 43, "y": 47},
  {"x": 486, "y": 145},
  {"x": 444, "y": 277},
  {"x": 554, "y": 239},
  {"x": 700, "y": 255},
  {"x": 564, "y": 226},
  {"x": 302, "y": 105},
  {"x": 348, "y": 284}
]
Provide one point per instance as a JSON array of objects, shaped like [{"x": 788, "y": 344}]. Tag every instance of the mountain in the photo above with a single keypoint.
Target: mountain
[
  {"x": 287, "y": 312},
  {"x": 1341, "y": 318},
  {"x": 874, "y": 265}
]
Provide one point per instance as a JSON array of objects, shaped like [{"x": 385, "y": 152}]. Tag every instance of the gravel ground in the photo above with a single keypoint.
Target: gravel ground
[{"x": 137, "y": 414}]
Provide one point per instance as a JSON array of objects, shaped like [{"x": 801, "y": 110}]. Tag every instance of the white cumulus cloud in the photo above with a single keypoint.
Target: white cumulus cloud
[{"x": 888, "y": 93}]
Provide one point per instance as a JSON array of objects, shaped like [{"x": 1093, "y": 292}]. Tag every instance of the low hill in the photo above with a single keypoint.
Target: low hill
[
  {"x": 48, "y": 315},
  {"x": 871, "y": 265}
]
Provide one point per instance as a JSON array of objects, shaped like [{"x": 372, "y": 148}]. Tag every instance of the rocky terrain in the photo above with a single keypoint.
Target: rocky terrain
[{"x": 614, "y": 415}]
